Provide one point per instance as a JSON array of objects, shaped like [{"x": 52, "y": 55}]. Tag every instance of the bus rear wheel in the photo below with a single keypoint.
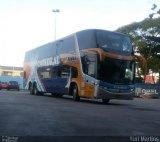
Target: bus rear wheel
[
  {"x": 36, "y": 92},
  {"x": 75, "y": 93},
  {"x": 30, "y": 88}
]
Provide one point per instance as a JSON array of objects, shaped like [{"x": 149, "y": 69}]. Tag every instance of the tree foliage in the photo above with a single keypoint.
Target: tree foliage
[{"x": 145, "y": 36}]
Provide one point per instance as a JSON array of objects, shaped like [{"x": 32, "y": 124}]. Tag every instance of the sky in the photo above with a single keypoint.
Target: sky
[{"x": 27, "y": 24}]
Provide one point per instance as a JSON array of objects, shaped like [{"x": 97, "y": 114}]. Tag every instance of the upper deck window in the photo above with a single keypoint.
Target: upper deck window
[
  {"x": 108, "y": 41},
  {"x": 113, "y": 42}
]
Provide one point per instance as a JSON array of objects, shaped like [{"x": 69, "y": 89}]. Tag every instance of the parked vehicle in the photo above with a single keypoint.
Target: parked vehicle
[
  {"x": 3, "y": 85},
  {"x": 0, "y": 85},
  {"x": 13, "y": 85}
]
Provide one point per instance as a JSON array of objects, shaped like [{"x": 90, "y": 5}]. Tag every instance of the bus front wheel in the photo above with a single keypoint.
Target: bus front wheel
[{"x": 75, "y": 93}]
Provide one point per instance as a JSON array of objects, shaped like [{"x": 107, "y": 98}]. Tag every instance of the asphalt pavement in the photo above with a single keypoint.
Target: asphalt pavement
[{"x": 22, "y": 114}]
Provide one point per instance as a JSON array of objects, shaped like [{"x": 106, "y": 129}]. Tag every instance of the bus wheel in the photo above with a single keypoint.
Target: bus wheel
[
  {"x": 105, "y": 101},
  {"x": 75, "y": 93},
  {"x": 35, "y": 91},
  {"x": 30, "y": 88},
  {"x": 31, "y": 91}
]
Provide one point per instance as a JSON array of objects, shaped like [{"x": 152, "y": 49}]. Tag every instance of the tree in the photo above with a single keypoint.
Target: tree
[{"x": 145, "y": 36}]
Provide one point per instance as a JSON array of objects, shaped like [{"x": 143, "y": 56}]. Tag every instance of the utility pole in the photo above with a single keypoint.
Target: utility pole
[{"x": 55, "y": 11}]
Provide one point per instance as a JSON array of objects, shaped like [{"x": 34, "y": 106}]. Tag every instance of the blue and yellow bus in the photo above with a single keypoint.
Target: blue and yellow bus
[{"x": 92, "y": 63}]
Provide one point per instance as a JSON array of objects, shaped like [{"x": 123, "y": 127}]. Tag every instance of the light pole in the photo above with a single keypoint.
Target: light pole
[{"x": 55, "y": 11}]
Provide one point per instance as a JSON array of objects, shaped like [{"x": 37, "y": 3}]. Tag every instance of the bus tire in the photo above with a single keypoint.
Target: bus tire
[
  {"x": 35, "y": 91},
  {"x": 31, "y": 91},
  {"x": 30, "y": 88},
  {"x": 105, "y": 101},
  {"x": 76, "y": 97}
]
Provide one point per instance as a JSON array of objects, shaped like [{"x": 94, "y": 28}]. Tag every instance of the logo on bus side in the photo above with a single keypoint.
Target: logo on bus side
[
  {"x": 71, "y": 59},
  {"x": 48, "y": 61}
]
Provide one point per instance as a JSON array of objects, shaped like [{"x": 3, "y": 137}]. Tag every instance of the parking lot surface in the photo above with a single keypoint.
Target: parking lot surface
[{"x": 23, "y": 114}]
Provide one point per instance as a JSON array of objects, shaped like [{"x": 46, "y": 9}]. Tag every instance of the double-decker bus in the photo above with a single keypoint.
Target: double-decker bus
[{"x": 92, "y": 63}]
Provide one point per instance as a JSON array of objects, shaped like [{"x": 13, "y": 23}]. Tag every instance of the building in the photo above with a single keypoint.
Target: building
[
  {"x": 8, "y": 73},
  {"x": 152, "y": 78},
  {"x": 11, "y": 71}
]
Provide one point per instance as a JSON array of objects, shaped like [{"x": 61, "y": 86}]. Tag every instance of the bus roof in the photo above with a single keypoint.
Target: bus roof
[
  {"x": 78, "y": 32},
  {"x": 50, "y": 49}
]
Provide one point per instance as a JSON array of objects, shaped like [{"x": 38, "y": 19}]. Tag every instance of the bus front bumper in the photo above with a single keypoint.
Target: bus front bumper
[{"x": 114, "y": 94}]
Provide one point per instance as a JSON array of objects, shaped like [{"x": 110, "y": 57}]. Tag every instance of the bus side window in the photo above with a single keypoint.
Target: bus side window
[
  {"x": 43, "y": 72},
  {"x": 74, "y": 72},
  {"x": 84, "y": 64},
  {"x": 89, "y": 64},
  {"x": 65, "y": 71},
  {"x": 54, "y": 72}
]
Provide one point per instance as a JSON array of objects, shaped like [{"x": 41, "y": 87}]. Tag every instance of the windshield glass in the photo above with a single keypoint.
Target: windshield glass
[
  {"x": 116, "y": 71},
  {"x": 114, "y": 42}
]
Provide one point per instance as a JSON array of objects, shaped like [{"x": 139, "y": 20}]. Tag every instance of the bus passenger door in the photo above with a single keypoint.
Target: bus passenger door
[{"x": 89, "y": 65}]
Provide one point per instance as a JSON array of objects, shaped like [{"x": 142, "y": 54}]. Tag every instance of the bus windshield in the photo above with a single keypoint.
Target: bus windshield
[
  {"x": 116, "y": 71},
  {"x": 113, "y": 42}
]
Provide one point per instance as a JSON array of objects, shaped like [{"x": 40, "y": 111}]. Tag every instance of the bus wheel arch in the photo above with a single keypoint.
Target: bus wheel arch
[{"x": 73, "y": 90}]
